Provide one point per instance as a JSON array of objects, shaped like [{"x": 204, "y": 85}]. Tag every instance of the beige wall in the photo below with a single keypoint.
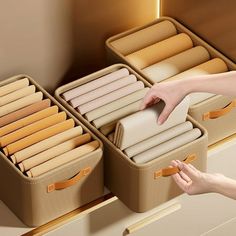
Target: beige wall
[
  {"x": 212, "y": 20},
  {"x": 55, "y": 41}
]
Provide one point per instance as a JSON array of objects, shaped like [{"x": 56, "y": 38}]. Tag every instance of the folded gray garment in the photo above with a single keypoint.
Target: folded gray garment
[
  {"x": 167, "y": 146},
  {"x": 143, "y": 124},
  {"x": 158, "y": 139},
  {"x": 118, "y": 114},
  {"x": 117, "y": 104}
]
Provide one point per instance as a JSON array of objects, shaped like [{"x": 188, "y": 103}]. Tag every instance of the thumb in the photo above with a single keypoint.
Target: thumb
[{"x": 165, "y": 114}]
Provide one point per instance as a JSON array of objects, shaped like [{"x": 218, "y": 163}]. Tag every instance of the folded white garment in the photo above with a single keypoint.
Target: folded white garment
[
  {"x": 143, "y": 124},
  {"x": 167, "y": 146},
  {"x": 158, "y": 139}
]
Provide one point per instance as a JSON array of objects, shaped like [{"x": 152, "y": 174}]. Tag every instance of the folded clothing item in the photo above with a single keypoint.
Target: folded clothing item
[
  {"x": 167, "y": 146},
  {"x": 158, "y": 139},
  {"x": 99, "y": 92},
  {"x": 63, "y": 159},
  {"x": 85, "y": 88},
  {"x": 144, "y": 37},
  {"x": 11, "y": 87},
  {"x": 143, "y": 124},
  {"x": 160, "y": 51},
  {"x": 110, "y": 97},
  {"x": 54, "y": 151},
  {"x": 24, "y": 112},
  {"x": 176, "y": 64},
  {"x": 46, "y": 144},
  {"x": 107, "y": 129},
  {"x": 115, "y": 105}
]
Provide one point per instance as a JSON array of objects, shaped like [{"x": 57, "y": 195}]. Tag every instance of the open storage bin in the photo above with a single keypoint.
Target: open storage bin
[{"x": 34, "y": 200}]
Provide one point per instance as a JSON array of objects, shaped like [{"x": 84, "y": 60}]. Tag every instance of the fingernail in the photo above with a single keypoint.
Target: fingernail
[{"x": 159, "y": 122}]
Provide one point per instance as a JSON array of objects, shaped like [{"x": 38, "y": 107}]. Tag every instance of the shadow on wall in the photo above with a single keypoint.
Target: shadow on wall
[{"x": 58, "y": 41}]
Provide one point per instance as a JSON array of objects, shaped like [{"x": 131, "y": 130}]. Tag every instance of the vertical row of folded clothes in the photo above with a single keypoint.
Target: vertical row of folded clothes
[{"x": 36, "y": 135}]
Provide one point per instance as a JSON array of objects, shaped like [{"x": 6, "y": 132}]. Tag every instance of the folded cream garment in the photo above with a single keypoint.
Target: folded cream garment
[
  {"x": 167, "y": 146},
  {"x": 143, "y": 124},
  {"x": 110, "y": 97},
  {"x": 160, "y": 51},
  {"x": 213, "y": 66},
  {"x": 63, "y": 159},
  {"x": 106, "y": 79},
  {"x": 24, "y": 112},
  {"x": 54, "y": 151},
  {"x": 117, "y": 104},
  {"x": 23, "y": 92},
  {"x": 28, "y": 120},
  {"x": 158, "y": 139},
  {"x": 144, "y": 37},
  {"x": 107, "y": 129},
  {"x": 176, "y": 64},
  {"x": 20, "y": 103},
  {"x": 111, "y": 137},
  {"x": 13, "y": 86},
  {"x": 117, "y": 114},
  {"x": 38, "y": 136},
  {"x": 101, "y": 91},
  {"x": 32, "y": 128},
  {"x": 46, "y": 144}
]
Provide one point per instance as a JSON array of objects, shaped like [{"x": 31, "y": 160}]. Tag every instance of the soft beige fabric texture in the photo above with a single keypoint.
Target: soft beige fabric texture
[
  {"x": 176, "y": 64},
  {"x": 32, "y": 128},
  {"x": 13, "y": 86},
  {"x": 160, "y": 51},
  {"x": 117, "y": 114},
  {"x": 46, "y": 144},
  {"x": 63, "y": 159},
  {"x": 143, "y": 124},
  {"x": 101, "y": 91},
  {"x": 87, "y": 87},
  {"x": 28, "y": 120},
  {"x": 54, "y": 151},
  {"x": 167, "y": 146},
  {"x": 20, "y": 103},
  {"x": 110, "y": 97},
  {"x": 107, "y": 129},
  {"x": 115, "y": 105},
  {"x": 145, "y": 37},
  {"x": 158, "y": 139}
]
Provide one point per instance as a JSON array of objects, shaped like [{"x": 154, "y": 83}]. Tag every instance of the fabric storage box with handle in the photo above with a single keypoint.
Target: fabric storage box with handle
[
  {"x": 165, "y": 50},
  {"x": 57, "y": 185},
  {"x": 139, "y": 185}
]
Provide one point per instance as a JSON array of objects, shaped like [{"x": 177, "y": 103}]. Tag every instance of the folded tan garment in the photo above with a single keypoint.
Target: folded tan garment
[
  {"x": 20, "y": 103},
  {"x": 110, "y": 97},
  {"x": 54, "y": 151},
  {"x": 46, "y": 144},
  {"x": 176, "y": 64},
  {"x": 158, "y": 139},
  {"x": 101, "y": 91},
  {"x": 63, "y": 159},
  {"x": 117, "y": 104},
  {"x": 145, "y": 37},
  {"x": 106, "y": 79},
  {"x": 167, "y": 146},
  {"x": 107, "y": 129},
  {"x": 13, "y": 86},
  {"x": 117, "y": 114},
  {"x": 20, "y": 93},
  {"x": 111, "y": 137},
  {"x": 213, "y": 66},
  {"x": 32, "y": 128},
  {"x": 28, "y": 120},
  {"x": 24, "y": 112},
  {"x": 143, "y": 124},
  {"x": 160, "y": 51},
  {"x": 38, "y": 136}
]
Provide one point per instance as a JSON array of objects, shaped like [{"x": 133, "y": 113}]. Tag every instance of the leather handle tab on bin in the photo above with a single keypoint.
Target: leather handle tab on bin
[
  {"x": 67, "y": 183},
  {"x": 220, "y": 112},
  {"x": 168, "y": 171}
]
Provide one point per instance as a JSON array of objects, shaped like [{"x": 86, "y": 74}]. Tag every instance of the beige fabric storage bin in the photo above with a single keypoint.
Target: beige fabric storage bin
[
  {"x": 32, "y": 200},
  {"x": 217, "y": 114},
  {"x": 138, "y": 185}
]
